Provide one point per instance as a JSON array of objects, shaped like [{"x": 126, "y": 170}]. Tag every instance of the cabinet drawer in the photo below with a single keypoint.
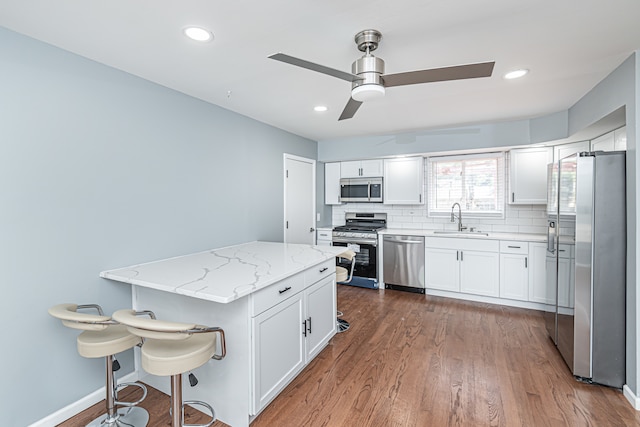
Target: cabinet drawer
[
  {"x": 274, "y": 294},
  {"x": 320, "y": 271},
  {"x": 325, "y": 234},
  {"x": 514, "y": 247}
]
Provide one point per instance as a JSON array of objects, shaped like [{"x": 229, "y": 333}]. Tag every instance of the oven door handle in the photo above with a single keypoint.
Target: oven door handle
[{"x": 355, "y": 241}]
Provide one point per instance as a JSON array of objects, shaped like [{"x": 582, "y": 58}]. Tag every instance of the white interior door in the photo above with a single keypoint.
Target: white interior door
[{"x": 299, "y": 199}]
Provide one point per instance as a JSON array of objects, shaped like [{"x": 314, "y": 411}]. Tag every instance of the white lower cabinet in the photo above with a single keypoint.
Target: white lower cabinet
[
  {"x": 292, "y": 331},
  {"x": 541, "y": 289},
  {"x": 462, "y": 265},
  {"x": 514, "y": 270},
  {"x": 507, "y": 269},
  {"x": 542, "y": 276},
  {"x": 279, "y": 348},
  {"x": 320, "y": 303},
  {"x": 324, "y": 236},
  {"x": 442, "y": 267}
]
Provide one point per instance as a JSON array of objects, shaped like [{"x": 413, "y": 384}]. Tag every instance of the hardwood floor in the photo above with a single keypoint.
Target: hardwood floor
[{"x": 410, "y": 360}]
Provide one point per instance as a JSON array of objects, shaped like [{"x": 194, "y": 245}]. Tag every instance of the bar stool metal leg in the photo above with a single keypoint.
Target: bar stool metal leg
[
  {"x": 176, "y": 409},
  {"x": 129, "y": 415}
]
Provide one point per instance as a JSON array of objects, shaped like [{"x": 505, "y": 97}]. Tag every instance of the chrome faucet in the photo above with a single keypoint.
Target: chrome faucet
[{"x": 453, "y": 216}]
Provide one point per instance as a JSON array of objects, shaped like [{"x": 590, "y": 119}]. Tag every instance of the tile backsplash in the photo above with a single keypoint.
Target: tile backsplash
[{"x": 518, "y": 218}]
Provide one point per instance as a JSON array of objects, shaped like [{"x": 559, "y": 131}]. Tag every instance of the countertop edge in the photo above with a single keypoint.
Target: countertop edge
[
  {"x": 528, "y": 237},
  {"x": 329, "y": 252}
]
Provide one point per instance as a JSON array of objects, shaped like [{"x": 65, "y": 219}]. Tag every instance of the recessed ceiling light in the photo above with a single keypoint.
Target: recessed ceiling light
[
  {"x": 320, "y": 108},
  {"x": 515, "y": 74},
  {"x": 198, "y": 34}
]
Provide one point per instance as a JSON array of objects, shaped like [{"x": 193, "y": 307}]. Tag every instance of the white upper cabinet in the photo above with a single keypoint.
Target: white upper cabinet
[
  {"x": 564, "y": 150},
  {"x": 361, "y": 169},
  {"x": 528, "y": 175},
  {"x": 403, "y": 181},
  {"x": 332, "y": 183},
  {"x": 620, "y": 139},
  {"x": 605, "y": 142},
  {"x": 612, "y": 141}
]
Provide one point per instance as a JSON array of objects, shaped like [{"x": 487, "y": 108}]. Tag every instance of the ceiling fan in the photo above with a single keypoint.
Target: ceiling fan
[{"x": 367, "y": 77}]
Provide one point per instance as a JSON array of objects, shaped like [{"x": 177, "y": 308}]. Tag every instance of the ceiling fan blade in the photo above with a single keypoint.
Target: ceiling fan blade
[
  {"x": 315, "y": 67},
  {"x": 458, "y": 72},
  {"x": 350, "y": 109}
]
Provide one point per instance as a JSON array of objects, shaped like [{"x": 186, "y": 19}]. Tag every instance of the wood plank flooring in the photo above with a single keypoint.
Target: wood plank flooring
[{"x": 409, "y": 360}]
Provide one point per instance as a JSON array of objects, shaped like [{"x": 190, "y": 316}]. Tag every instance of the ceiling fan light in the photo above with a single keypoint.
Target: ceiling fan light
[{"x": 367, "y": 92}]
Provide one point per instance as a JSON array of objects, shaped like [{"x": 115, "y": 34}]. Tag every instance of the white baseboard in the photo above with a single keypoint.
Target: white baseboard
[
  {"x": 631, "y": 397},
  {"x": 80, "y": 405}
]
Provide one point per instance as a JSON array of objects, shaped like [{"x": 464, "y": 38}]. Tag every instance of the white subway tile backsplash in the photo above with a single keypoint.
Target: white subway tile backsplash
[
  {"x": 505, "y": 229},
  {"x": 518, "y": 221},
  {"x": 532, "y": 230},
  {"x": 518, "y": 218},
  {"x": 539, "y": 213}
]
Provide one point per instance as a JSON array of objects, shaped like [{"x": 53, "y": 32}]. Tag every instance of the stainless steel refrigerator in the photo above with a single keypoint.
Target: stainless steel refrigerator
[{"x": 586, "y": 264}]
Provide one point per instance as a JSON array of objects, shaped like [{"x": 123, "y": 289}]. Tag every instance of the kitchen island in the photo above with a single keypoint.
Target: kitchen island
[{"x": 275, "y": 301}]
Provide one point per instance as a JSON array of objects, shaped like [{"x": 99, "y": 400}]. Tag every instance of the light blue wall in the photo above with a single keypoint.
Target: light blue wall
[
  {"x": 489, "y": 135},
  {"x": 100, "y": 169}
]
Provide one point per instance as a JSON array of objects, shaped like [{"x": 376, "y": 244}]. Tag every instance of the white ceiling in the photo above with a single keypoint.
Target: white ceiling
[{"x": 569, "y": 46}]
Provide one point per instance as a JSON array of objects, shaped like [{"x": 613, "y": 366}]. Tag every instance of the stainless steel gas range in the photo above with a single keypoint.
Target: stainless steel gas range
[{"x": 360, "y": 233}]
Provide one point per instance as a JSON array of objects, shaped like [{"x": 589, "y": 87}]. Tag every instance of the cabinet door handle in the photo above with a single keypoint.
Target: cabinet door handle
[
  {"x": 525, "y": 263},
  {"x": 513, "y": 197},
  {"x": 282, "y": 291},
  {"x": 322, "y": 270},
  {"x": 513, "y": 247},
  {"x": 304, "y": 328},
  {"x": 457, "y": 255},
  {"x": 309, "y": 325},
  {"x": 461, "y": 256}
]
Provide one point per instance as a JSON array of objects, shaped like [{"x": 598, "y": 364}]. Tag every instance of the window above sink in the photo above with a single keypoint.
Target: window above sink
[{"x": 476, "y": 182}]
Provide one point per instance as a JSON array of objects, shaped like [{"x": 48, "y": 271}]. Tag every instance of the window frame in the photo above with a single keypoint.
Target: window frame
[{"x": 501, "y": 176}]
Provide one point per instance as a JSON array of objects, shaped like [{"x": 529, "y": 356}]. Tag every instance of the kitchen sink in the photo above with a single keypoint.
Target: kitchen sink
[{"x": 461, "y": 233}]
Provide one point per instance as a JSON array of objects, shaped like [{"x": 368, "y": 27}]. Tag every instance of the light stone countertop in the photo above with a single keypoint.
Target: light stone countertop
[
  {"x": 226, "y": 274},
  {"x": 465, "y": 235}
]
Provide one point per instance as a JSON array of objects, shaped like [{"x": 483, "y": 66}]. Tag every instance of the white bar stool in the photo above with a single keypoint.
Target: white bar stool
[
  {"x": 103, "y": 337},
  {"x": 171, "y": 349},
  {"x": 344, "y": 276}
]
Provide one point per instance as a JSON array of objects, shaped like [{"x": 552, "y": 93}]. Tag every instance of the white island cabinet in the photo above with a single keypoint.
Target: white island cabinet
[{"x": 276, "y": 303}]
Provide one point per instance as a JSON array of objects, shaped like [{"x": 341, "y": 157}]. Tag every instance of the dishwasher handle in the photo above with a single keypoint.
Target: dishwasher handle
[{"x": 398, "y": 240}]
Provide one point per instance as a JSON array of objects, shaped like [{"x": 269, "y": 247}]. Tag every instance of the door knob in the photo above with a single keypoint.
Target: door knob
[{"x": 311, "y": 230}]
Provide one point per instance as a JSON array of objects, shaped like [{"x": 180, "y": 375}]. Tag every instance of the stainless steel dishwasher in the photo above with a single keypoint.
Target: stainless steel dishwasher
[{"x": 403, "y": 262}]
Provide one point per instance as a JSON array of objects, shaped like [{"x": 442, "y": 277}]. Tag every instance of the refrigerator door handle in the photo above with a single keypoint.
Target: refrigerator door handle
[{"x": 551, "y": 242}]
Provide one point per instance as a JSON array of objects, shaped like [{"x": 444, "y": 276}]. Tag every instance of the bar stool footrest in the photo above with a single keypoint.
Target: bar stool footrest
[
  {"x": 199, "y": 403},
  {"x": 129, "y": 404}
]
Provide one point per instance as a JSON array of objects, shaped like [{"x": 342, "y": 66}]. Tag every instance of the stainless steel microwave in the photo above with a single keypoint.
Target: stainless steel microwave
[{"x": 367, "y": 190}]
